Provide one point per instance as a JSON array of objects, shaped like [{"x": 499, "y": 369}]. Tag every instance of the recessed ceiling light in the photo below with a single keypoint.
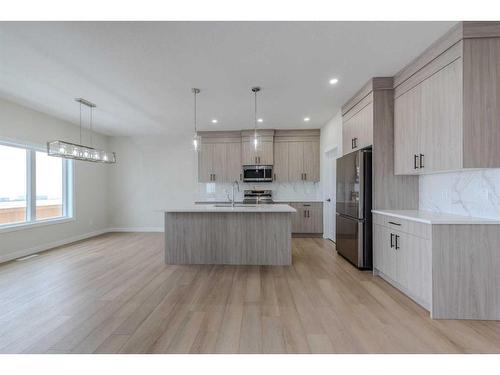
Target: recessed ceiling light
[
  {"x": 260, "y": 120},
  {"x": 333, "y": 81},
  {"x": 215, "y": 121},
  {"x": 307, "y": 119}
]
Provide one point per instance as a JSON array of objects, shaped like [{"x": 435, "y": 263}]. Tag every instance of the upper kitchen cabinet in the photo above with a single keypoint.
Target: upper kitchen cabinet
[
  {"x": 368, "y": 120},
  {"x": 357, "y": 125},
  {"x": 219, "y": 158},
  {"x": 296, "y": 155},
  {"x": 447, "y": 106},
  {"x": 264, "y": 155}
]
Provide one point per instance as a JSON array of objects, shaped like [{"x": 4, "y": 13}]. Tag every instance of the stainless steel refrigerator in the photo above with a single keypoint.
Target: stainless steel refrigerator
[{"x": 353, "y": 208}]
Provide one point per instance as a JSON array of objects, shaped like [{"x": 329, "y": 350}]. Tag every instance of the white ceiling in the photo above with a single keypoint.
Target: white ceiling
[{"x": 140, "y": 73}]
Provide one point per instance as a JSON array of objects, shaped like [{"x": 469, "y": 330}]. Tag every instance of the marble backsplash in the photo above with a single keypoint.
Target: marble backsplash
[
  {"x": 306, "y": 191},
  {"x": 471, "y": 193}
]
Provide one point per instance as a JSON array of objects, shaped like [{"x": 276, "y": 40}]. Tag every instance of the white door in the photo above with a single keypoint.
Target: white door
[{"x": 329, "y": 194}]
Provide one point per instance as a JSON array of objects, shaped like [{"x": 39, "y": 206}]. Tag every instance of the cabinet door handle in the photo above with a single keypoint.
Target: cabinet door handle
[
  {"x": 352, "y": 142},
  {"x": 305, "y": 176},
  {"x": 305, "y": 215},
  {"x": 214, "y": 176},
  {"x": 241, "y": 177},
  {"x": 397, "y": 242},
  {"x": 259, "y": 159},
  {"x": 308, "y": 213},
  {"x": 392, "y": 244},
  {"x": 421, "y": 160},
  {"x": 355, "y": 142},
  {"x": 415, "y": 161},
  {"x": 393, "y": 223},
  {"x": 274, "y": 176}
]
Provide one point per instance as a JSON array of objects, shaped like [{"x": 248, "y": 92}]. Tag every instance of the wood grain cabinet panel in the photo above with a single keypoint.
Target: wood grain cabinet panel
[
  {"x": 219, "y": 162},
  {"x": 407, "y": 125},
  {"x": 206, "y": 162},
  {"x": 311, "y": 160},
  {"x": 428, "y": 124},
  {"x": 266, "y": 154},
  {"x": 441, "y": 130},
  {"x": 404, "y": 259},
  {"x": 262, "y": 156},
  {"x": 308, "y": 219},
  {"x": 233, "y": 170},
  {"x": 303, "y": 161},
  {"x": 281, "y": 164},
  {"x": 296, "y": 161},
  {"x": 357, "y": 128},
  {"x": 248, "y": 156},
  {"x": 447, "y": 102}
]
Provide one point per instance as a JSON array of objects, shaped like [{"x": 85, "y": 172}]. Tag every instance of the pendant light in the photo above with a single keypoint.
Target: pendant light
[
  {"x": 256, "y": 139},
  {"x": 69, "y": 150},
  {"x": 196, "y": 137}
]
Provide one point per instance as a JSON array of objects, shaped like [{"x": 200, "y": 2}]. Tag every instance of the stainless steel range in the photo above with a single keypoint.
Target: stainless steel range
[{"x": 258, "y": 197}]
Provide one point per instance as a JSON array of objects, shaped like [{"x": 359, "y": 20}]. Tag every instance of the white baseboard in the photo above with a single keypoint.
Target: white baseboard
[
  {"x": 137, "y": 229},
  {"x": 39, "y": 248}
]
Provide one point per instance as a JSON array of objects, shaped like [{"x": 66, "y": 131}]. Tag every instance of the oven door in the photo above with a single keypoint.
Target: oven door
[{"x": 257, "y": 173}]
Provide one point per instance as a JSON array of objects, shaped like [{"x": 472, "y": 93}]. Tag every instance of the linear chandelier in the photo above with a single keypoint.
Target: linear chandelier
[{"x": 69, "y": 150}]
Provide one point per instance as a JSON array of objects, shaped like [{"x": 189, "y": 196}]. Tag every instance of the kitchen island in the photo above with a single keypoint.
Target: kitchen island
[{"x": 225, "y": 234}]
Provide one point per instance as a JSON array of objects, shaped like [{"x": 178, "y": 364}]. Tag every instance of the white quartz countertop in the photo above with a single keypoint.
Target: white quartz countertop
[
  {"x": 228, "y": 208},
  {"x": 429, "y": 217},
  {"x": 297, "y": 200}
]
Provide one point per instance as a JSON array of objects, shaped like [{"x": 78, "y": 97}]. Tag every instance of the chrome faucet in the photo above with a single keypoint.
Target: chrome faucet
[{"x": 232, "y": 186}]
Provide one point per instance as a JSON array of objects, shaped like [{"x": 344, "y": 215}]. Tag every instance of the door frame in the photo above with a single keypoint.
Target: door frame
[{"x": 330, "y": 189}]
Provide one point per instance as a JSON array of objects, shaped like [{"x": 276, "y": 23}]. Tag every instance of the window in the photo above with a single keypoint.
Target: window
[
  {"x": 49, "y": 186},
  {"x": 34, "y": 187},
  {"x": 13, "y": 189}
]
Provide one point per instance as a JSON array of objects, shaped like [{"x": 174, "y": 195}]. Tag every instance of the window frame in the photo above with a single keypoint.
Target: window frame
[{"x": 68, "y": 179}]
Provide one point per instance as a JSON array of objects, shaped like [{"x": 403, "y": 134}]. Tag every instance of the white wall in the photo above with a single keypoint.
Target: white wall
[
  {"x": 331, "y": 142},
  {"x": 21, "y": 124},
  {"x": 151, "y": 173}
]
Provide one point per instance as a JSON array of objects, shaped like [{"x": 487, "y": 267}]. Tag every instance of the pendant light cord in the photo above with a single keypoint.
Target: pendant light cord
[
  {"x": 91, "y": 110},
  {"x": 255, "y": 112},
  {"x": 195, "y": 111},
  {"x": 80, "y": 122}
]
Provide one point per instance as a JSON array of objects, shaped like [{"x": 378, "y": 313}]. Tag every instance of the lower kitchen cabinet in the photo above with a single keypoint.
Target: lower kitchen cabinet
[
  {"x": 449, "y": 264},
  {"x": 309, "y": 217},
  {"x": 405, "y": 259}
]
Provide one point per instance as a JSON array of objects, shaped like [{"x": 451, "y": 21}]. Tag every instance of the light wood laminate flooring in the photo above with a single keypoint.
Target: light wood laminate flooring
[{"x": 114, "y": 294}]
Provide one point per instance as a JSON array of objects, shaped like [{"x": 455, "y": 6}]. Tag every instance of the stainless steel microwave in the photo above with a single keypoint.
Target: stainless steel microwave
[{"x": 258, "y": 173}]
